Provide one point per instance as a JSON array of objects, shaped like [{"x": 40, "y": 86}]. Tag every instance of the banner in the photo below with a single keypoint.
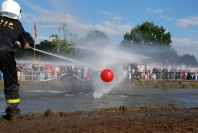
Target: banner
[{"x": 35, "y": 31}]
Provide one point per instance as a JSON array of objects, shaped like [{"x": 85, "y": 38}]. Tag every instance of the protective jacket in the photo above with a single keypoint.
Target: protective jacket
[{"x": 11, "y": 30}]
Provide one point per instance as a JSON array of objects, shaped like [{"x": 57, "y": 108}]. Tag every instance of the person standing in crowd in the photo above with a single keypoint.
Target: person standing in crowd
[
  {"x": 1, "y": 75},
  {"x": 50, "y": 71},
  {"x": 129, "y": 73},
  {"x": 11, "y": 30},
  {"x": 42, "y": 72}
]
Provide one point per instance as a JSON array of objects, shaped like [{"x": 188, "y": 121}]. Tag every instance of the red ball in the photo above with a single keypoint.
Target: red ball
[{"x": 107, "y": 75}]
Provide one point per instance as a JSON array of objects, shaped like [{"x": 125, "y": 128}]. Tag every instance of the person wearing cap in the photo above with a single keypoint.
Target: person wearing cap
[{"x": 11, "y": 30}]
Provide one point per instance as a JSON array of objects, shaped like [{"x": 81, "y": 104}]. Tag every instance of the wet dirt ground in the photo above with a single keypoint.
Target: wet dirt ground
[{"x": 121, "y": 120}]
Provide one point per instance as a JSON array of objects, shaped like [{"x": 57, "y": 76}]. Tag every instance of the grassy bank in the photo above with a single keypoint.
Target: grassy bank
[
  {"x": 85, "y": 85},
  {"x": 163, "y": 84}
]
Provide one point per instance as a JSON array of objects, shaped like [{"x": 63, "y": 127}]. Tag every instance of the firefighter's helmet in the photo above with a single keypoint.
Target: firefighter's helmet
[{"x": 10, "y": 9}]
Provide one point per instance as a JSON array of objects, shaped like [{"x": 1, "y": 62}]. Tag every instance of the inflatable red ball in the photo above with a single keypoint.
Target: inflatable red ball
[{"x": 107, "y": 75}]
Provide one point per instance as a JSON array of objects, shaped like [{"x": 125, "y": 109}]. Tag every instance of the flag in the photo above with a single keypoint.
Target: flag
[{"x": 35, "y": 32}]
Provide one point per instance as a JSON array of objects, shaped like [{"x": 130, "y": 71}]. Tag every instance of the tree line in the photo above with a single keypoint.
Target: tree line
[{"x": 147, "y": 39}]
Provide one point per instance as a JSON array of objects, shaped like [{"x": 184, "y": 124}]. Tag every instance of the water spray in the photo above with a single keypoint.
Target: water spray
[
  {"x": 106, "y": 74},
  {"x": 106, "y": 80},
  {"x": 61, "y": 57}
]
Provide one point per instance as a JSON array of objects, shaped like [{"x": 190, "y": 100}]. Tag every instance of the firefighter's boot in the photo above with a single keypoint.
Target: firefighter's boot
[{"x": 12, "y": 112}]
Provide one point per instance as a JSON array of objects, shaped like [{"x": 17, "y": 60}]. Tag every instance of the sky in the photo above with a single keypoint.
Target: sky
[{"x": 114, "y": 18}]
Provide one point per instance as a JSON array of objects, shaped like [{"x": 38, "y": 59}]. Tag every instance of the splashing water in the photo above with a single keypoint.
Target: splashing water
[
  {"x": 102, "y": 88},
  {"x": 101, "y": 58},
  {"x": 109, "y": 56}
]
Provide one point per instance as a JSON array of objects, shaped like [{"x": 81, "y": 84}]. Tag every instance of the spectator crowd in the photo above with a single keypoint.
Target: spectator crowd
[
  {"x": 162, "y": 72},
  {"x": 45, "y": 72}
]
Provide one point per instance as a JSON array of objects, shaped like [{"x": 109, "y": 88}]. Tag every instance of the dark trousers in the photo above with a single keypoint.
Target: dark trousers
[{"x": 8, "y": 68}]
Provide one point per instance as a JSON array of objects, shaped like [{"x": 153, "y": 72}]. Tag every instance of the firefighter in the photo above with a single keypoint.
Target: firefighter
[{"x": 11, "y": 30}]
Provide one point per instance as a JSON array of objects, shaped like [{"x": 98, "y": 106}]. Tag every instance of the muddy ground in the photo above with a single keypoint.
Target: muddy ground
[{"x": 110, "y": 120}]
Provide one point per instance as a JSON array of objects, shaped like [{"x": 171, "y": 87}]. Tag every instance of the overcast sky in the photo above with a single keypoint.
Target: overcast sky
[{"x": 115, "y": 18}]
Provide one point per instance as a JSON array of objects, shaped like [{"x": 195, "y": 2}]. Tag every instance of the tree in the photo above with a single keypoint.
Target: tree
[
  {"x": 188, "y": 60},
  {"x": 96, "y": 39},
  {"x": 95, "y": 36},
  {"x": 150, "y": 40},
  {"x": 57, "y": 44},
  {"x": 44, "y": 45},
  {"x": 147, "y": 33},
  {"x": 29, "y": 39},
  {"x": 63, "y": 28},
  {"x": 70, "y": 41}
]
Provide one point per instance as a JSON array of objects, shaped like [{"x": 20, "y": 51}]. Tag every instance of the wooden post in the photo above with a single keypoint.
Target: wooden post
[
  {"x": 35, "y": 36},
  {"x": 34, "y": 51}
]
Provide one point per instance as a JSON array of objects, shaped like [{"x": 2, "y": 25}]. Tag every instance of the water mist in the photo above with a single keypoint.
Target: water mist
[{"x": 102, "y": 56}]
